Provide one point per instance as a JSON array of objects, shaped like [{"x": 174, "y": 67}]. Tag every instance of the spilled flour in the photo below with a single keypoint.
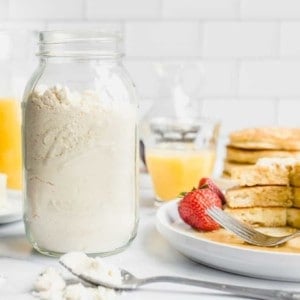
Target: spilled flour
[{"x": 50, "y": 285}]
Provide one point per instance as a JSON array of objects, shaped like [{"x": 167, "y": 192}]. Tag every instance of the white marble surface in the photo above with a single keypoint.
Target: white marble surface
[{"x": 149, "y": 254}]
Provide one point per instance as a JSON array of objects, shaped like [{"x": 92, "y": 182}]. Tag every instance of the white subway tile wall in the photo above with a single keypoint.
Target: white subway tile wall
[
  {"x": 163, "y": 39},
  {"x": 272, "y": 78},
  {"x": 241, "y": 113},
  {"x": 122, "y": 9},
  {"x": 43, "y": 10},
  {"x": 290, "y": 39},
  {"x": 200, "y": 9},
  {"x": 270, "y": 9},
  {"x": 240, "y": 39},
  {"x": 3, "y": 9},
  {"x": 248, "y": 50},
  {"x": 288, "y": 112}
]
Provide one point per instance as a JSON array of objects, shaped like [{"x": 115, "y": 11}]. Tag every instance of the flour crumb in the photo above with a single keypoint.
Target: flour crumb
[{"x": 50, "y": 285}]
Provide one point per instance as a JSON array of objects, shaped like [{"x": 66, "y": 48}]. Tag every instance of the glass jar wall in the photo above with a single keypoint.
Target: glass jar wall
[
  {"x": 80, "y": 146},
  {"x": 14, "y": 68}
]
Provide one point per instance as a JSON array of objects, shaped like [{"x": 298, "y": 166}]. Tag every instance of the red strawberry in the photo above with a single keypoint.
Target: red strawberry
[
  {"x": 212, "y": 186},
  {"x": 192, "y": 209}
]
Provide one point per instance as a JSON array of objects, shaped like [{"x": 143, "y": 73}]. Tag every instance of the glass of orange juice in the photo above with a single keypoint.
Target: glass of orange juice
[
  {"x": 178, "y": 153},
  {"x": 10, "y": 141}
]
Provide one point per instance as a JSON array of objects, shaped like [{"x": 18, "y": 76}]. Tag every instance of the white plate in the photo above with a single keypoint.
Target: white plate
[
  {"x": 241, "y": 260},
  {"x": 13, "y": 211}
]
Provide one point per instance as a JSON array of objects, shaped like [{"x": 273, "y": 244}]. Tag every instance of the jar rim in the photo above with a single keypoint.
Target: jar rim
[
  {"x": 71, "y": 43},
  {"x": 63, "y": 36}
]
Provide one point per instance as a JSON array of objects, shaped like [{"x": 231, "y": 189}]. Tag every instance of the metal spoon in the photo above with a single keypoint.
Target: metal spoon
[{"x": 131, "y": 282}]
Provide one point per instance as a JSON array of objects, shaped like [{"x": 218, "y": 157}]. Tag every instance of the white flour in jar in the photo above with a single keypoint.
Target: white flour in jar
[{"x": 80, "y": 167}]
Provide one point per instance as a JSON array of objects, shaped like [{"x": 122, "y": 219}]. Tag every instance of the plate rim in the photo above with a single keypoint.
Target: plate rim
[
  {"x": 160, "y": 219},
  {"x": 12, "y": 214}
]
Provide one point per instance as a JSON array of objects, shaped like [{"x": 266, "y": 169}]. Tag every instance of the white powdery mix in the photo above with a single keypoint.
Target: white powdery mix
[
  {"x": 95, "y": 268},
  {"x": 51, "y": 286},
  {"x": 79, "y": 292},
  {"x": 80, "y": 168}
]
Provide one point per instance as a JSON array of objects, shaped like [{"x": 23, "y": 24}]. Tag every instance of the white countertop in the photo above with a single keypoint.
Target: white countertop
[{"x": 149, "y": 254}]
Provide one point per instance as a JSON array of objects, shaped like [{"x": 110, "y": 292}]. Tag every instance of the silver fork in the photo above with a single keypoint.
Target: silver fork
[
  {"x": 131, "y": 282},
  {"x": 246, "y": 232}
]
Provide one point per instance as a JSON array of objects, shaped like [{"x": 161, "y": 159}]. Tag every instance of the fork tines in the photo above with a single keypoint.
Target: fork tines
[{"x": 243, "y": 230}]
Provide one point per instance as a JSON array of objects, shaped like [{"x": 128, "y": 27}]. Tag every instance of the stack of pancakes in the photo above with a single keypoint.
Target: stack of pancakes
[
  {"x": 248, "y": 145},
  {"x": 293, "y": 213},
  {"x": 265, "y": 164},
  {"x": 267, "y": 194}
]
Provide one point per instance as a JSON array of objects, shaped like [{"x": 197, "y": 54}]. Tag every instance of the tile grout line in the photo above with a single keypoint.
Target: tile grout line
[{"x": 84, "y": 10}]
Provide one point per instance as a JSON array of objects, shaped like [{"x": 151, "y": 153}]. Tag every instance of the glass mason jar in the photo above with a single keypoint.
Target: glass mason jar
[{"x": 80, "y": 146}]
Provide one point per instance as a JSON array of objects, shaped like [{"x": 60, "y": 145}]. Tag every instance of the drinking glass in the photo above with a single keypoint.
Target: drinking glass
[{"x": 179, "y": 153}]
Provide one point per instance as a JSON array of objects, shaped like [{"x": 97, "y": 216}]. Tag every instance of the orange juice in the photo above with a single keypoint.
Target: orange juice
[
  {"x": 176, "y": 171},
  {"x": 10, "y": 142}
]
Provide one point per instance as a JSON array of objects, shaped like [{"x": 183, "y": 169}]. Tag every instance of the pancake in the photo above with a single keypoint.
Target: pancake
[
  {"x": 230, "y": 166},
  {"x": 296, "y": 196},
  {"x": 260, "y": 216},
  {"x": 293, "y": 217},
  {"x": 267, "y": 138},
  {"x": 267, "y": 171},
  {"x": 246, "y": 156},
  {"x": 261, "y": 196},
  {"x": 295, "y": 175}
]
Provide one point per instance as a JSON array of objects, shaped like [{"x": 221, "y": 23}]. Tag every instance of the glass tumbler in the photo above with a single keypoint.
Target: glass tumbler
[{"x": 179, "y": 153}]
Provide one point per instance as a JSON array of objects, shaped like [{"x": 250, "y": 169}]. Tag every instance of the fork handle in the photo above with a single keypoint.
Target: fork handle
[{"x": 254, "y": 293}]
